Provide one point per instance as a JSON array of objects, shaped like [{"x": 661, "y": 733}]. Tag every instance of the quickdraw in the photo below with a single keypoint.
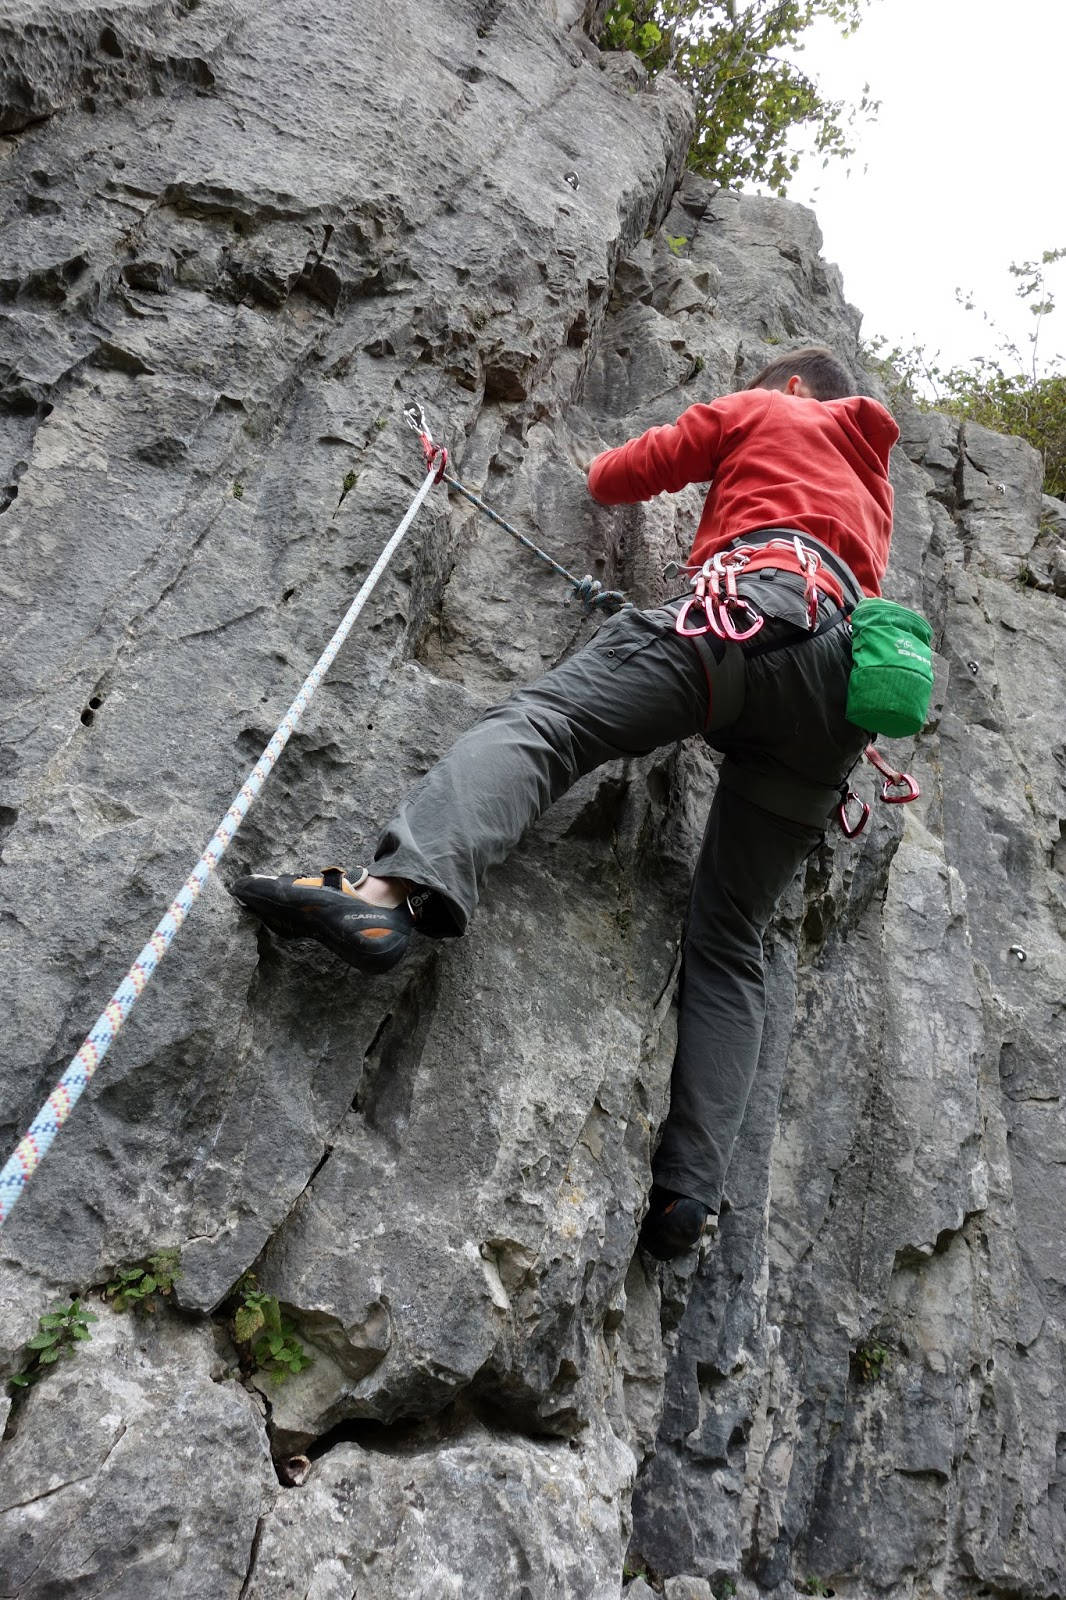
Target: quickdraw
[
  {"x": 720, "y": 609},
  {"x": 724, "y": 610},
  {"x": 898, "y": 789},
  {"x": 588, "y": 590},
  {"x": 434, "y": 455}
]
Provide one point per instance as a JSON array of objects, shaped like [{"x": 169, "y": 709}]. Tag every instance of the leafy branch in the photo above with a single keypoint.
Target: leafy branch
[{"x": 747, "y": 91}]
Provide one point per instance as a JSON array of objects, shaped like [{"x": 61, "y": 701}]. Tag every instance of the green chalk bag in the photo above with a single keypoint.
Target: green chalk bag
[{"x": 891, "y": 681}]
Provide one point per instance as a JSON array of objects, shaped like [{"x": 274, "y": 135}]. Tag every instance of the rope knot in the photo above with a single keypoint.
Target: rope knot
[
  {"x": 594, "y": 597},
  {"x": 587, "y": 590}
]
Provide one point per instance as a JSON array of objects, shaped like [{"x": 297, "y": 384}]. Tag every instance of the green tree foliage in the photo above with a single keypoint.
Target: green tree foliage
[
  {"x": 736, "y": 61},
  {"x": 1012, "y": 392}
]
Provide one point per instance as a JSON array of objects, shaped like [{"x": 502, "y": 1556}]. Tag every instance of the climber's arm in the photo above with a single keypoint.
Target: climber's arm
[{"x": 662, "y": 460}]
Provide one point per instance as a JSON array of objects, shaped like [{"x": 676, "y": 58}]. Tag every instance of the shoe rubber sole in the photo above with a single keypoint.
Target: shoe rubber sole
[
  {"x": 673, "y": 1229},
  {"x": 371, "y": 938}
]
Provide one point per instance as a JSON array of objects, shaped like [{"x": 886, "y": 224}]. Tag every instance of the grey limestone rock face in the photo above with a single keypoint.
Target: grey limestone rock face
[
  {"x": 476, "y": 1513},
  {"x": 139, "y": 1468},
  {"x": 235, "y": 241}
]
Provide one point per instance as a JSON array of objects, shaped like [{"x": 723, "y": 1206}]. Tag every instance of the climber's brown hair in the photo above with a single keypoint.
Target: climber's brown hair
[{"x": 819, "y": 368}]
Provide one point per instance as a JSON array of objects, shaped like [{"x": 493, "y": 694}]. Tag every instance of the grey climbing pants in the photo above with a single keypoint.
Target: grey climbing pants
[{"x": 777, "y": 714}]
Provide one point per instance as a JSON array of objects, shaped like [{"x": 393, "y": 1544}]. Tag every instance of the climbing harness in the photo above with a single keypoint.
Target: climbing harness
[
  {"x": 898, "y": 789},
  {"x": 32, "y": 1149},
  {"x": 724, "y": 609},
  {"x": 589, "y": 590}
]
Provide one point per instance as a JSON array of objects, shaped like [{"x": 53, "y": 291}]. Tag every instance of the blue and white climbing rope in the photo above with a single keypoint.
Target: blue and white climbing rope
[{"x": 33, "y": 1148}]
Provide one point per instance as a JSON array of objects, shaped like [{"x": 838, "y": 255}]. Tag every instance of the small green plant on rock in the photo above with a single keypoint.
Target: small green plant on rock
[
  {"x": 238, "y": 490},
  {"x": 813, "y": 1585},
  {"x": 348, "y": 483},
  {"x": 270, "y": 1340},
  {"x": 635, "y": 1566},
  {"x": 58, "y": 1331},
  {"x": 724, "y": 1588},
  {"x": 136, "y": 1287},
  {"x": 869, "y": 1361}
]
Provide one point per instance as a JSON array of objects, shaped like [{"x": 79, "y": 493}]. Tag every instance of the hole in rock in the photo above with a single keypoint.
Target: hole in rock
[
  {"x": 8, "y": 817},
  {"x": 405, "y": 1437}
]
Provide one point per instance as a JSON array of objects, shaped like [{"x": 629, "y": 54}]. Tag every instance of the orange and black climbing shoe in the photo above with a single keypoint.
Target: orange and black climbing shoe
[
  {"x": 674, "y": 1224},
  {"x": 328, "y": 907}
]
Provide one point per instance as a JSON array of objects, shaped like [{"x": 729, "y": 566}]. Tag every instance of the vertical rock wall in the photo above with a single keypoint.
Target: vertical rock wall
[{"x": 235, "y": 240}]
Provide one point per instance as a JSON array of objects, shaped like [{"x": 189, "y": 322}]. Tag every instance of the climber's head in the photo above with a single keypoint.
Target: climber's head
[{"x": 813, "y": 372}]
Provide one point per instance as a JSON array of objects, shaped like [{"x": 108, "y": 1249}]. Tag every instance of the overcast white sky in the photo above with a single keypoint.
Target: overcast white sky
[{"x": 963, "y": 171}]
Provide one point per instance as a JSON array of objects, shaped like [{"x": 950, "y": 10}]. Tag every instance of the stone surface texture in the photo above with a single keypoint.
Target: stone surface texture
[{"x": 235, "y": 240}]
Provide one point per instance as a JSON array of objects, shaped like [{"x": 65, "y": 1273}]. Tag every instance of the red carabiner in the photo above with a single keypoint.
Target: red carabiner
[
  {"x": 430, "y": 453},
  {"x": 699, "y": 598},
  {"x": 893, "y": 780},
  {"x": 902, "y": 780},
  {"x": 434, "y": 455},
  {"x": 711, "y": 624},
  {"x": 848, "y": 829}
]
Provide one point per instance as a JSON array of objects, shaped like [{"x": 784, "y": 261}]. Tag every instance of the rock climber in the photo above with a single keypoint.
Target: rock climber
[{"x": 795, "y": 531}]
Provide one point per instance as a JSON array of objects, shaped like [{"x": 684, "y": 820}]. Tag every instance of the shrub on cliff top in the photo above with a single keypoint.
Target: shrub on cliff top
[
  {"x": 1013, "y": 392},
  {"x": 747, "y": 95}
]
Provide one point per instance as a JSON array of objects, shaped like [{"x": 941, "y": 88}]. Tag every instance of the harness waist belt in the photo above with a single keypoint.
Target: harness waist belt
[
  {"x": 834, "y": 574},
  {"x": 786, "y": 561}
]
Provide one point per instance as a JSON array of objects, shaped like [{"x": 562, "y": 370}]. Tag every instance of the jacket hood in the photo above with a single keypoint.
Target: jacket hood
[{"x": 871, "y": 429}]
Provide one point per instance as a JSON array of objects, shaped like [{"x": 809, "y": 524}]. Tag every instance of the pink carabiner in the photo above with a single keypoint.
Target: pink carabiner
[
  {"x": 728, "y": 631},
  {"x": 727, "y": 563},
  {"x": 699, "y": 598},
  {"x": 682, "y": 618}
]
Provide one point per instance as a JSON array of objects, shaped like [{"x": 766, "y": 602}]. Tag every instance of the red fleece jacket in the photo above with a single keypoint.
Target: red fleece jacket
[{"x": 776, "y": 461}]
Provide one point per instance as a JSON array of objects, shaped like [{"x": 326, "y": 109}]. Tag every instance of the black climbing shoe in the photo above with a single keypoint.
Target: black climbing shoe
[
  {"x": 327, "y": 908},
  {"x": 674, "y": 1224}
]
